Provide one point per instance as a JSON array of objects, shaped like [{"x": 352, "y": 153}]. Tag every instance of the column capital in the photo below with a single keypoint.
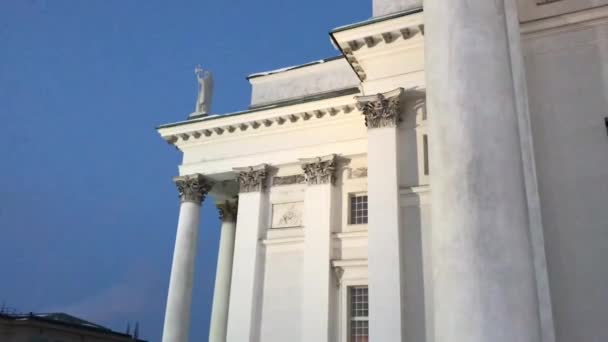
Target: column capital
[
  {"x": 192, "y": 188},
  {"x": 382, "y": 109},
  {"x": 228, "y": 210},
  {"x": 252, "y": 178},
  {"x": 320, "y": 170}
]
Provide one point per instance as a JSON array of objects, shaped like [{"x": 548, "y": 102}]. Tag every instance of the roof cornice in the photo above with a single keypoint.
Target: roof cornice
[
  {"x": 358, "y": 38},
  {"x": 187, "y": 132},
  {"x": 377, "y": 20}
]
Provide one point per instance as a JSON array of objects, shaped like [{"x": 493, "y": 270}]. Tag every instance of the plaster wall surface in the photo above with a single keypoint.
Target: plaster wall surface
[
  {"x": 282, "y": 304},
  {"x": 567, "y": 73},
  {"x": 413, "y": 292},
  {"x": 536, "y": 9},
  {"x": 384, "y": 7},
  {"x": 319, "y": 291},
  {"x": 323, "y": 77},
  {"x": 413, "y": 160}
]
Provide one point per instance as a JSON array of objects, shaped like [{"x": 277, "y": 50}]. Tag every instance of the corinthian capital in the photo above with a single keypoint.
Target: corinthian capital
[
  {"x": 381, "y": 110},
  {"x": 228, "y": 210},
  {"x": 193, "y": 188},
  {"x": 252, "y": 178},
  {"x": 320, "y": 170}
]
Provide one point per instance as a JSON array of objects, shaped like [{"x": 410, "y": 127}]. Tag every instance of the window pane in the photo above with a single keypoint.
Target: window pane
[
  {"x": 358, "y": 209},
  {"x": 359, "y": 323}
]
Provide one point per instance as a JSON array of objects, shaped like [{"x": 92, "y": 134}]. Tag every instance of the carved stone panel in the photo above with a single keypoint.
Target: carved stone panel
[
  {"x": 288, "y": 180},
  {"x": 381, "y": 110},
  {"x": 285, "y": 215},
  {"x": 360, "y": 172}
]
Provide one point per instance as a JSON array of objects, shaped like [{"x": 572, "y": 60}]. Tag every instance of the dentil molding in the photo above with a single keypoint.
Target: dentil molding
[{"x": 258, "y": 124}]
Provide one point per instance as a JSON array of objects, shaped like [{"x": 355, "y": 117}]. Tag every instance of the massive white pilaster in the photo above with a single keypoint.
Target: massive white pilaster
[
  {"x": 318, "y": 298},
  {"x": 483, "y": 275},
  {"x": 223, "y": 275},
  {"x": 192, "y": 190},
  {"x": 384, "y": 237},
  {"x": 245, "y": 306}
]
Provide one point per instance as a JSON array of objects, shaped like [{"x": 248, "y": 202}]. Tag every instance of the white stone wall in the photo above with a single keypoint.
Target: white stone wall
[
  {"x": 415, "y": 214},
  {"x": 297, "y": 82},
  {"x": 384, "y": 7},
  {"x": 536, "y": 9},
  {"x": 567, "y": 72},
  {"x": 411, "y": 141},
  {"x": 282, "y": 304}
]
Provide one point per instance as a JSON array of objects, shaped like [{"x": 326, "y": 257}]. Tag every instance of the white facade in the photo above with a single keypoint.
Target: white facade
[{"x": 485, "y": 117}]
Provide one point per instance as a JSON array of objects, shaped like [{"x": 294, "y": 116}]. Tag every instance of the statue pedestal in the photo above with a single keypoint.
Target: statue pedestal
[{"x": 197, "y": 115}]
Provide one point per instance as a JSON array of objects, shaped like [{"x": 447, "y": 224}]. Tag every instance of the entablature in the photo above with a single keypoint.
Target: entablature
[
  {"x": 191, "y": 132},
  {"x": 278, "y": 136}
]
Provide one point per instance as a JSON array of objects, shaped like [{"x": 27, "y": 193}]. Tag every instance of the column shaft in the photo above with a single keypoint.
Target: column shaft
[
  {"x": 177, "y": 315},
  {"x": 223, "y": 276},
  {"x": 245, "y": 308},
  {"x": 483, "y": 277},
  {"x": 319, "y": 291},
  {"x": 384, "y": 241}
]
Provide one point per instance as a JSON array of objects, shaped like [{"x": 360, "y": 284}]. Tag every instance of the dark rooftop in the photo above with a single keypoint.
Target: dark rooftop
[{"x": 65, "y": 320}]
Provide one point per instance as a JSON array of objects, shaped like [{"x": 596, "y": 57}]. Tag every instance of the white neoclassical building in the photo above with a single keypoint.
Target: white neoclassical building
[{"x": 444, "y": 179}]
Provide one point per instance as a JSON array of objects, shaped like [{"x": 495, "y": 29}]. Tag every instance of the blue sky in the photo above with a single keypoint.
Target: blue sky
[{"x": 87, "y": 208}]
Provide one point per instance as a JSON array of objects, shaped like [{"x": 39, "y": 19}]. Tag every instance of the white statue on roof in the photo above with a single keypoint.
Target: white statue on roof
[{"x": 205, "y": 90}]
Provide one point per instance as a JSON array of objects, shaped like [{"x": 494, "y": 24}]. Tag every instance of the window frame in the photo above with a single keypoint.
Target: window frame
[
  {"x": 351, "y": 197},
  {"x": 354, "y": 274},
  {"x": 349, "y": 316},
  {"x": 352, "y": 186}
]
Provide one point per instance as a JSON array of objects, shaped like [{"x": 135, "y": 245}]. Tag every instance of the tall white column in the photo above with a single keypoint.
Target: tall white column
[
  {"x": 192, "y": 191},
  {"x": 319, "y": 292},
  {"x": 385, "y": 271},
  {"x": 483, "y": 275},
  {"x": 245, "y": 306},
  {"x": 223, "y": 274}
]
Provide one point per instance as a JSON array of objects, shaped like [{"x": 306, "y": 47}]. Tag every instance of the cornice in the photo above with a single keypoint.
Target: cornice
[
  {"x": 376, "y": 33},
  {"x": 349, "y": 263},
  {"x": 284, "y": 240},
  {"x": 358, "y": 234},
  {"x": 260, "y": 120}
]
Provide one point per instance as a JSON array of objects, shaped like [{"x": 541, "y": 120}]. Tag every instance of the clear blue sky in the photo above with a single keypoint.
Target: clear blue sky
[{"x": 87, "y": 208}]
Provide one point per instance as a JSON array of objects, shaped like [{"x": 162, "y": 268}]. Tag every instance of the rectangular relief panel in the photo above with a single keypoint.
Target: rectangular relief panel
[
  {"x": 539, "y": 9},
  {"x": 286, "y": 215}
]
